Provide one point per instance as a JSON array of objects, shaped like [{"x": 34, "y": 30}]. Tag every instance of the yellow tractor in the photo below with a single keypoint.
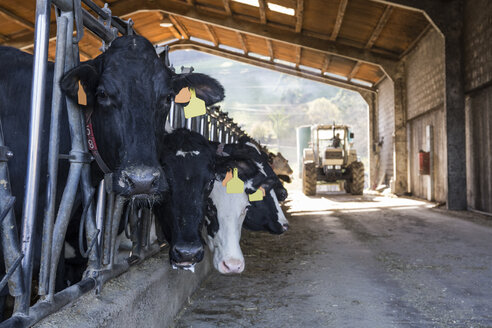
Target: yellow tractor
[{"x": 330, "y": 158}]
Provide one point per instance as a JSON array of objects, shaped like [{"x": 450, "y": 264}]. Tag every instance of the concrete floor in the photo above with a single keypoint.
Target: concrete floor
[{"x": 350, "y": 261}]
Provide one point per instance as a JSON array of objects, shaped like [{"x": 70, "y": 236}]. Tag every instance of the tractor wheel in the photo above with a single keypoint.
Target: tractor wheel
[
  {"x": 309, "y": 179},
  {"x": 346, "y": 186},
  {"x": 356, "y": 184}
]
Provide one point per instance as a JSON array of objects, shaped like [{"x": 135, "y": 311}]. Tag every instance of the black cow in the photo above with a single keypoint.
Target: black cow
[{"x": 188, "y": 161}]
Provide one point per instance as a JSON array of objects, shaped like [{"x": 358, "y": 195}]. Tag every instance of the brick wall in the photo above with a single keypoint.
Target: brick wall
[
  {"x": 386, "y": 127},
  {"x": 478, "y": 86},
  {"x": 425, "y": 75},
  {"x": 424, "y": 67},
  {"x": 478, "y": 43}
]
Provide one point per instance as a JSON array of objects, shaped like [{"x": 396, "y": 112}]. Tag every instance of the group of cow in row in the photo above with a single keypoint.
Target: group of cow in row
[{"x": 129, "y": 93}]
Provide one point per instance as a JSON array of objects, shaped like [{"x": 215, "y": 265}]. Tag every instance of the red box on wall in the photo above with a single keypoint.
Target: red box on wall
[{"x": 424, "y": 162}]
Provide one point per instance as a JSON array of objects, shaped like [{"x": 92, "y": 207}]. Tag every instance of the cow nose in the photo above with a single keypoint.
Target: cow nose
[
  {"x": 141, "y": 180},
  {"x": 285, "y": 227},
  {"x": 282, "y": 195},
  {"x": 232, "y": 266},
  {"x": 184, "y": 252}
]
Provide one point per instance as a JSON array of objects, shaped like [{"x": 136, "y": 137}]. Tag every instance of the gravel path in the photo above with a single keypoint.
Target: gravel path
[{"x": 352, "y": 261}]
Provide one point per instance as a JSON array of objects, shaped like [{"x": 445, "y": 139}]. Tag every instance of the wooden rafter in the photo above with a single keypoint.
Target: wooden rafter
[
  {"x": 270, "y": 49},
  {"x": 262, "y": 8},
  {"x": 243, "y": 42},
  {"x": 175, "y": 32},
  {"x": 227, "y": 7},
  {"x": 326, "y": 64},
  {"x": 19, "y": 20},
  {"x": 188, "y": 44},
  {"x": 379, "y": 27},
  {"x": 85, "y": 54},
  {"x": 298, "y": 56},
  {"x": 299, "y": 15},
  {"x": 268, "y": 31},
  {"x": 354, "y": 71},
  {"x": 4, "y": 37},
  {"x": 181, "y": 28},
  {"x": 338, "y": 23},
  {"x": 212, "y": 34},
  {"x": 190, "y": 2}
]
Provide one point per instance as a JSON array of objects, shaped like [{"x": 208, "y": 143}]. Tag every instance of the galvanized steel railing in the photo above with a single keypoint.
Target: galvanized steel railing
[{"x": 102, "y": 215}]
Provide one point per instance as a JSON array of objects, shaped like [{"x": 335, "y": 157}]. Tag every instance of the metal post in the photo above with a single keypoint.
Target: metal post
[
  {"x": 41, "y": 35},
  {"x": 100, "y": 209},
  {"x": 56, "y": 108},
  {"x": 8, "y": 228},
  {"x": 171, "y": 116},
  {"x": 213, "y": 129}
]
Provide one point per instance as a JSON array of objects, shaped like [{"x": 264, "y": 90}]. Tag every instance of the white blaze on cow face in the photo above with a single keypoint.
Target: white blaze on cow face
[
  {"x": 280, "y": 214},
  {"x": 231, "y": 211},
  {"x": 184, "y": 153}
]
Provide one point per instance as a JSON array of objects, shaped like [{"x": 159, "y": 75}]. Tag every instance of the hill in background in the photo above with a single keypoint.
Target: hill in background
[{"x": 269, "y": 105}]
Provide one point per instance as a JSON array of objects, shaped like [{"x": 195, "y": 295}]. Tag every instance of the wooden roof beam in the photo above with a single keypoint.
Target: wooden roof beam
[
  {"x": 227, "y": 7},
  {"x": 298, "y": 56},
  {"x": 338, "y": 23},
  {"x": 181, "y": 28},
  {"x": 243, "y": 43},
  {"x": 354, "y": 71},
  {"x": 188, "y": 44},
  {"x": 212, "y": 34},
  {"x": 380, "y": 26},
  {"x": 386, "y": 61},
  {"x": 19, "y": 20},
  {"x": 270, "y": 49},
  {"x": 299, "y": 15},
  {"x": 262, "y": 8},
  {"x": 326, "y": 64},
  {"x": 3, "y": 37}
]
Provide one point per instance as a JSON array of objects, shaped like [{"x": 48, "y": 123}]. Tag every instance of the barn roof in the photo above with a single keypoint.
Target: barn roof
[{"x": 340, "y": 42}]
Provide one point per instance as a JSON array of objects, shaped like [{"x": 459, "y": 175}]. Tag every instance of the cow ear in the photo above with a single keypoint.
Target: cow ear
[
  {"x": 87, "y": 74},
  {"x": 207, "y": 88}
]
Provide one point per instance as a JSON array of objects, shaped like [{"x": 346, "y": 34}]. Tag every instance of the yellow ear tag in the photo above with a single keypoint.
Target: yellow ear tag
[
  {"x": 196, "y": 107},
  {"x": 256, "y": 196},
  {"x": 82, "y": 97},
  {"x": 235, "y": 185}
]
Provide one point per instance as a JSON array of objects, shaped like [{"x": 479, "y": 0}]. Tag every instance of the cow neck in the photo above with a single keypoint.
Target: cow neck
[{"x": 91, "y": 142}]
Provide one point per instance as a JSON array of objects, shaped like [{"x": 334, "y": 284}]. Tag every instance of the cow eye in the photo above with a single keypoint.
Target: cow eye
[{"x": 101, "y": 95}]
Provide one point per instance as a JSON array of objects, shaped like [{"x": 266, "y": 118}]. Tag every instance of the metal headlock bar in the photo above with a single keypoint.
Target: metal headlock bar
[{"x": 103, "y": 209}]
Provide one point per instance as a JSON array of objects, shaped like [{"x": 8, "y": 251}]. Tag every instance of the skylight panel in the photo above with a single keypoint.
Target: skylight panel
[
  {"x": 281, "y": 9},
  {"x": 249, "y": 2}
]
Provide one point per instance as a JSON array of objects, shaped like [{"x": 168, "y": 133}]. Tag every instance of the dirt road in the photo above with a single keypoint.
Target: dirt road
[{"x": 352, "y": 261}]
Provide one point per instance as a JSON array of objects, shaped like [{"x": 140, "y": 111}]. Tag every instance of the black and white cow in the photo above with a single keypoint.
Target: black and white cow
[
  {"x": 266, "y": 214},
  {"x": 226, "y": 212}
]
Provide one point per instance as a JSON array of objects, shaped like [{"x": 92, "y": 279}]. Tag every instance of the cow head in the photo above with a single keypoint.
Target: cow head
[
  {"x": 266, "y": 215},
  {"x": 188, "y": 161},
  {"x": 226, "y": 213},
  {"x": 279, "y": 164},
  {"x": 126, "y": 88}
]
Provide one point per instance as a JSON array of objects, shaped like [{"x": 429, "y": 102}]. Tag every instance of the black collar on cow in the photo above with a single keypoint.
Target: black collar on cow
[{"x": 91, "y": 142}]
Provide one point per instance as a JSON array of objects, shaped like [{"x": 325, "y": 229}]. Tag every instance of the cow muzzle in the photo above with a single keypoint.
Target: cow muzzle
[
  {"x": 186, "y": 254},
  {"x": 140, "y": 182}
]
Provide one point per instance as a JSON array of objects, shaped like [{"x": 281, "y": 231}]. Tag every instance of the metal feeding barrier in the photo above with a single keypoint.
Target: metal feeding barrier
[{"x": 103, "y": 210}]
